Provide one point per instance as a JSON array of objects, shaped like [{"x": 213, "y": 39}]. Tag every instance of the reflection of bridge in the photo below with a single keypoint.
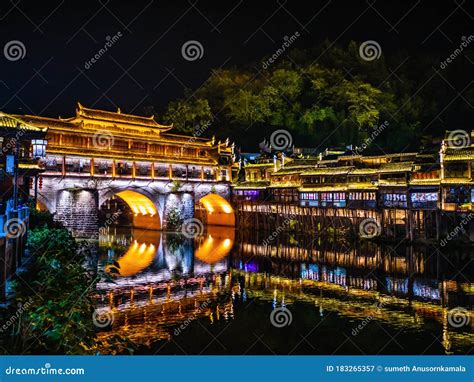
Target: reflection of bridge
[
  {"x": 150, "y": 315},
  {"x": 98, "y": 154},
  {"x": 151, "y": 257}
]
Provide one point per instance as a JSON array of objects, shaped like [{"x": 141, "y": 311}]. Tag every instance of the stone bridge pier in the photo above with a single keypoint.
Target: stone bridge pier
[{"x": 76, "y": 202}]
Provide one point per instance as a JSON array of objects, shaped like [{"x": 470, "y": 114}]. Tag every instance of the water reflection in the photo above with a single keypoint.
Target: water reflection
[
  {"x": 134, "y": 256},
  {"x": 155, "y": 284}
]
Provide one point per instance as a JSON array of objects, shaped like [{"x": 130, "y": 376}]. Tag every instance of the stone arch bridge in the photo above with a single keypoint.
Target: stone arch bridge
[
  {"x": 96, "y": 154},
  {"x": 76, "y": 201}
]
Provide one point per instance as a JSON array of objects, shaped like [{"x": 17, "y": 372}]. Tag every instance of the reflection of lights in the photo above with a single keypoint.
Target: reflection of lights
[
  {"x": 227, "y": 209},
  {"x": 214, "y": 247},
  {"x": 137, "y": 258}
]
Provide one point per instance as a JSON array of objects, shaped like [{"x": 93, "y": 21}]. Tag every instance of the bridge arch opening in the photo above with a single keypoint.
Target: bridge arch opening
[
  {"x": 217, "y": 210},
  {"x": 143, "y": 212}
]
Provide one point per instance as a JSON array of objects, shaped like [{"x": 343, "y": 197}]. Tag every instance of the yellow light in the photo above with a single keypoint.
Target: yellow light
[
  {"x": 216, "y": 245},
  {"x": 227, "y": 209},
  {"x": 137, "y": 202},
  {"x": 220, "y": 212},
  {"x": 137, "y": 258}
]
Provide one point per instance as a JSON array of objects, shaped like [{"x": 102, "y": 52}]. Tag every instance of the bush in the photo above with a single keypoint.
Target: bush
[
  {"x": 174, "y": 219},
  {"x": 56, "y": 290}
]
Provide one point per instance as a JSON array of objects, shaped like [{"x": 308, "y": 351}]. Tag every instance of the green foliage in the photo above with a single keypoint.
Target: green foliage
[
  {"x": 336, "y": 102},
  {"x": 175, "y": 186},
  {"x": 174, "y": 219},
  {"x": 56, "y": 293},
  {"x": 189, "y": 115},
  {"x": 41, "y": 219}
]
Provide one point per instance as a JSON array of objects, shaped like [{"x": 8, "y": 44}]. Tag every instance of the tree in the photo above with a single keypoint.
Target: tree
[{"x": 189, "y": 115}]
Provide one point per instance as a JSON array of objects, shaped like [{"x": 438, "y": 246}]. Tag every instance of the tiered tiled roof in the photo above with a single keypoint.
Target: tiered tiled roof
[
  {"x": 396, "y": 167},
  {"x": 452, "y": 154},
  {"x": 119, "y": 117},
  {"x": 329, "y": 171}
]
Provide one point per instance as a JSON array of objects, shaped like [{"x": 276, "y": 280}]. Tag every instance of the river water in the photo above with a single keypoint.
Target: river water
[{"x": 226, "y": 292}]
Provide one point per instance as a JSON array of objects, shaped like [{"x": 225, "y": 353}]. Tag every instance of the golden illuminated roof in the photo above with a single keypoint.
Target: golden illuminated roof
[
  {"x": 119, "y": 117},
  {"x": 396, "y": 167},
  {"x": 11, "y": 121},
  {"x": 342, "y": 170},
  {"x": 453, "y": 154},
  {"x": 425, "y": 182},
  {"x": 323, "y": 188},
  {"x": 252, "y": 185}
]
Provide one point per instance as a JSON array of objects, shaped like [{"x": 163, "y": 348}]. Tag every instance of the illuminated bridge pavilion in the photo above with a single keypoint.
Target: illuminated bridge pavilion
[{"x": 97, "y": 155}]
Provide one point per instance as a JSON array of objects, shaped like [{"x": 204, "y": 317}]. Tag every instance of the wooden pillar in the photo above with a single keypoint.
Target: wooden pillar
[{"x": 92, "y": 167}]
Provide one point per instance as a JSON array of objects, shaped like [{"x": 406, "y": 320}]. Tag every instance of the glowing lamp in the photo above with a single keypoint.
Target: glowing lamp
[{"x": 39, "y": 148}]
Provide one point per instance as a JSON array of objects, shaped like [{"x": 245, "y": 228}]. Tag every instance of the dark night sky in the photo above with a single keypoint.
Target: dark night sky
[{"x": 145, "y": 67}]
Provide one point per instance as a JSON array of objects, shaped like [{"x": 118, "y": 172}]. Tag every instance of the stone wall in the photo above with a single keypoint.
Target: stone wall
[
  {"x": 77, "y": 210},
  {"x": 75, "y": 200},
  {"x": 183, "y": 202}
]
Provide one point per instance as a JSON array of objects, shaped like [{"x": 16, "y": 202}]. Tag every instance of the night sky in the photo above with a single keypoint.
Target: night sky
[{"x": 145, "y": 66}]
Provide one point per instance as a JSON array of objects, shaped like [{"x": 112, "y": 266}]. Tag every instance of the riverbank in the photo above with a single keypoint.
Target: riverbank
[{"x": 51, "y": 308}]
